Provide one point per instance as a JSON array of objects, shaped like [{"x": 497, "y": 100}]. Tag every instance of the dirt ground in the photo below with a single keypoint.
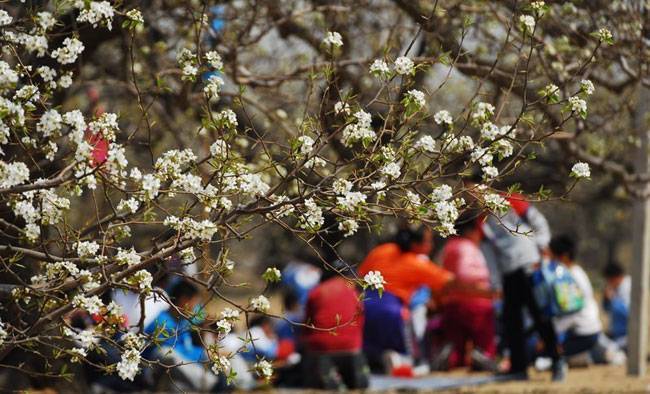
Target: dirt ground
[{"x": 595, "y": 379}]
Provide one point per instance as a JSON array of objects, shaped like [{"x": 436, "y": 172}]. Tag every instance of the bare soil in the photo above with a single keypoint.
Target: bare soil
[{"x": 594, "y": 379}]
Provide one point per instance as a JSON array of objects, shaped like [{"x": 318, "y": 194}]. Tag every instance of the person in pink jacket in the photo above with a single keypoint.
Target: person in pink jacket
[{"x": 468, "y": 318}]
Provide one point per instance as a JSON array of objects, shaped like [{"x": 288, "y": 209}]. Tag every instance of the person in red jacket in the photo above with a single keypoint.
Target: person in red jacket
[{"x": 332, "y": 348}]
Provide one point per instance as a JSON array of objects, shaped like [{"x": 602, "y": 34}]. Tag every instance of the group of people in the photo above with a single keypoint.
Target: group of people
[
  {"x": 488, "y": 305},
  {"x": 484, "y": 307}
]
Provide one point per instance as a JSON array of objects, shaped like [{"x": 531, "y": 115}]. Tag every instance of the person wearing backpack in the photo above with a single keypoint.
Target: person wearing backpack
[
  {"x": 517, "y": 239},
  {"x": 582, "y": 328}
]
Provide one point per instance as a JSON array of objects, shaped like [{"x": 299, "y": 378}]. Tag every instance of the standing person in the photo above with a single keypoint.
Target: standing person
[
  {"x": 517, "y": 239},
  {"x": 582, "y": 328},
  {"x": 616, "y": 301},
  {"x": 468, "y": 318},
  {"x": 332, "y": 348}
]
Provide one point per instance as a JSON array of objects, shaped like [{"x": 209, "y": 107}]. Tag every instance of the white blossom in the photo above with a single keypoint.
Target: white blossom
[
  {"x": 5, "y": 18},
  {"x": 403, "y": 65},
  {"x": 359, "y": 131},
  {"x": 351, "y": 200},
  {"x": 150, "y": 186},
  {"x": 416, "y": 97},
  {"x": 130, "y": 205},
  {"x": 333, "y": 39},
  {"x": 272, "y": 274},
  {"x": 578, "y": 106},
  {"x": 443, "y": 117},
  {"x": 127, "y": 257},
  {"x": 129, "y": 365},
  {"x": 13, "y": 174},
  {"x": 229, "y": 314},
  {"x": 496, "y": 202},
  {"x": 442, "y": 193},
  {"x": 220, "y": 364},
  {"x": 306, "y": 144},
  {"x": 489, "y": 131},
  {"x": 490, "y": 172},
  {"x": 587, "y": 87},
  {"x": 527, "y": 23},
  {"x": 482, "y": 156},
  {"x": 214, "y": 59},
  {"x": 342, "y": 108},
  {"x": 348, "y": 227},
  {"x": 86, "y": 248},
  {"x": 252, "y": 184},
  {"x": 135, "y": 15},
  {"x": 413, "y": 198},
  {"x": 312, "y": 217},
  {"x": 69, "y": 52},
  {"x": 260, "y": 304},
  {"x": 50, "y": 123},
  {"x": 142, "y": 279},
  {"x": 219, "y": 149},
  {"x": 374, "y": 280},
  {"x": 263, "y": 369},
  {"x": 426, "y": 143},
  {"x": 98, "y": 12},
  {"x": 391, "y": 170},
  {"x": 482, "y": 113},
  {"x": 226, "y": 118},
  {"x": 8, "y": 77},
  {"x": 379, "y": 68},
  {"x": 580, "y": 170},
  {"x": 604, "y": 34},
  {"x": 3, "y": 331},
  {"x": 212, "y": 86},
  {"x": 92, "y": 304}
]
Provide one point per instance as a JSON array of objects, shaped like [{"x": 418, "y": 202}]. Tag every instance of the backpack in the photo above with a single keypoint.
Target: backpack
[{"x": 555, "y": 291}]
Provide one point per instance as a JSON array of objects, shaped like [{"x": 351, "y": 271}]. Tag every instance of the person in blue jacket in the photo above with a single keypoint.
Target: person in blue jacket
[
  {"x": 172, "y": 330},
  {"x": 616, "y": 301}
]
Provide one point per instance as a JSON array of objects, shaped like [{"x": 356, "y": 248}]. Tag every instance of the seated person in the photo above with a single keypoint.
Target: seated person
[
  {"x": 405, "y": 266},
  {"x": 467, "y": 318},
  {"x": 581, "y": 329},
  {"x": 332, "y": 348},
  {"x": 616, "y": 301},
  {"x": 261, "y": 340},
  {"x": 173, "y": 343},
  {"x": 285, "y": 330}
]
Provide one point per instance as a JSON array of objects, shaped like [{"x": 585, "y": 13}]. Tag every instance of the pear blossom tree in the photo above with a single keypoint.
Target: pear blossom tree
[{"x": 220, "y": 122}]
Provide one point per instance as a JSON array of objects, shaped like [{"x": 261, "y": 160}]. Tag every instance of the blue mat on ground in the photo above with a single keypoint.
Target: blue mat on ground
[{"x": 381, "y": 382}]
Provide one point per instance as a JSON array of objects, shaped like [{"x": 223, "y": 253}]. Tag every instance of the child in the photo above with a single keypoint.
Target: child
[
  {"x": 174, "y": 346},
  {"x": 617, "y": 301},
  {"x": 581, "y": 328}
]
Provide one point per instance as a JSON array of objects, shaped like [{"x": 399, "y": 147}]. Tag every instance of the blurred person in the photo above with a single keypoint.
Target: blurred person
[
  {"x": 406, "y": 267},
  {"x": 172, "y": 332},
  {"x": 300, "y": 278},
  {"x": 616, "y": 301},
  {"x": 285, "y": 330},
  {"x": 467, "y": 318},
  {"x": 333, "y": 355},
  {"x": 517, "y": 240},
  {"x": 155, "y": 302},
  {"x": 580, "y": 329},
  {"x": 288, "y": 371},
  {"x": 262, "y": 340}
]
